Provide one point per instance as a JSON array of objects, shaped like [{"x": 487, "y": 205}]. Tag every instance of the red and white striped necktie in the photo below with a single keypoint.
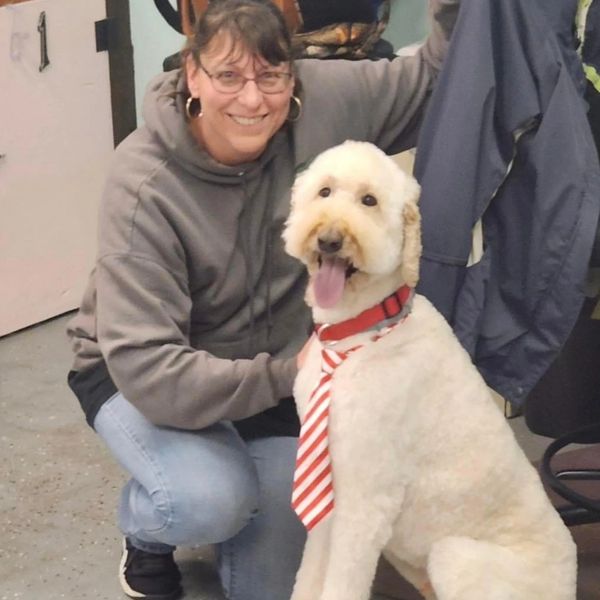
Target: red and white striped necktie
[{"x": 312, "y": 496}]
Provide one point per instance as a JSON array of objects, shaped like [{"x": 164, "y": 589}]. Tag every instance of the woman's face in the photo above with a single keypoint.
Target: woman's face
[{"x": 235, "y": 127}]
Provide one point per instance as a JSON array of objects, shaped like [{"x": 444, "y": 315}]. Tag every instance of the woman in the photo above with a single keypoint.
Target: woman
[{"x": 189, "y": 334}]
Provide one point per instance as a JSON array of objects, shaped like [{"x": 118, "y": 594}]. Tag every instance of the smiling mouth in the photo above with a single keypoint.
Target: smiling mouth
[
  {"x": 349, "y": 270},
  {"x": 247, "y": 120},
  {"x": 329, "y": 282}
]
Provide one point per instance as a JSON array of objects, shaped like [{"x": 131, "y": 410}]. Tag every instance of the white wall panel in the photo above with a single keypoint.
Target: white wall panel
[
  {"x": 56, "y": 138},
  {"x": 153, "y": 40}
]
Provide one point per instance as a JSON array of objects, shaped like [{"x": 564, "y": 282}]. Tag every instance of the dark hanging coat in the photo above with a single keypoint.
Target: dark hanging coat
[{"x": 506, "y": 140}]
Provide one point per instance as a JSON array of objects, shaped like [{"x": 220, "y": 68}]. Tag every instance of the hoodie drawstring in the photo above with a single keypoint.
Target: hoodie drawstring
[{"x": 252, "y": 281}]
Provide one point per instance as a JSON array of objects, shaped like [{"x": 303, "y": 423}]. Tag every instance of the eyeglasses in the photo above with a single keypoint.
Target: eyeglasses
[{"x": 231, "y": 82}]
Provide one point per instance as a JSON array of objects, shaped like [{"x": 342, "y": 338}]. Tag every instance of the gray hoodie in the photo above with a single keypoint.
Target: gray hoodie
[{"x": 194, "y": 311}]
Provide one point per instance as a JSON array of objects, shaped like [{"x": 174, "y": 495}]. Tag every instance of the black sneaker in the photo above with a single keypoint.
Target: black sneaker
[{"x": 146, "y": 575}]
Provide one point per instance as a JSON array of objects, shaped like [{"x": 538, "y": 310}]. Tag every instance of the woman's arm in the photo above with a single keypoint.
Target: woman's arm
[
  {"x": 377, "y": 101},
  {"x": 143, "y": 330}
]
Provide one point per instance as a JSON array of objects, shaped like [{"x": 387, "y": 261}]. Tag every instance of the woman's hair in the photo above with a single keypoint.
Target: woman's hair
[{"x": 254, "y": 25}]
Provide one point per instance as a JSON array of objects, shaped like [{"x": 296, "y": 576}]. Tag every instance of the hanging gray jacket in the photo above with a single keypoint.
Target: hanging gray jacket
[{"x": 506, "y": 140}]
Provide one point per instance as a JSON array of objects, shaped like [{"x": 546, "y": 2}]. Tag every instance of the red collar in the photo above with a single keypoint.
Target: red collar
[{"x": 398, "y": 303}]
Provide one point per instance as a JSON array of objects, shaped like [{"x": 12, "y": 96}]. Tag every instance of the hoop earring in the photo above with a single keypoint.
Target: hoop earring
[
  {"x": 298, "y": 105},
  {"x": 193, "y": 112}
]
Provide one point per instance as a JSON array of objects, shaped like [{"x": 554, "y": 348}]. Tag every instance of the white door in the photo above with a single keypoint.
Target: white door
[{"x": 55, "y": 144}]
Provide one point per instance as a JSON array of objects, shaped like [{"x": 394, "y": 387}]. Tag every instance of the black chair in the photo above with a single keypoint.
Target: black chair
[
  {"x": 565, "y": 405},
  {"x": 578, "y": 504}
]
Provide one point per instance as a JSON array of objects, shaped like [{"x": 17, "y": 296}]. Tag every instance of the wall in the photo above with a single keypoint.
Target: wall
[
  {"x": 153, "y": 39},
  {"x": 408, "y": 22},
  {"x": 56, "y": 142}
]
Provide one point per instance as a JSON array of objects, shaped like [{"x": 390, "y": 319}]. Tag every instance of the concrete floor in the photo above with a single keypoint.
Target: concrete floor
[{"x": 59, "y": 487}]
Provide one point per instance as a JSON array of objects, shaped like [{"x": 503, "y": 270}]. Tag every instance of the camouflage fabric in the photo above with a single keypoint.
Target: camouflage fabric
[{"x": 353, "y": 40}]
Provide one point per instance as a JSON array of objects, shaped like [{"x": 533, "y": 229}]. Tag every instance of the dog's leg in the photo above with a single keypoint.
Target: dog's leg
[
  {"x": 311, "y": 574},
  {"x": 462, "y": 568},
  {"x": 359, "y": 532}
]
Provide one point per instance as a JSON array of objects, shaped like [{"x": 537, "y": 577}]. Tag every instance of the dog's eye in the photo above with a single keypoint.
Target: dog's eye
[
  {"x": 369, "y": 200},
  {"x": 324, "y": 192}
]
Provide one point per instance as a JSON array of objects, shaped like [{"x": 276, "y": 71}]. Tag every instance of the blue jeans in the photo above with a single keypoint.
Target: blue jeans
[{"x": 209, "y": 487}]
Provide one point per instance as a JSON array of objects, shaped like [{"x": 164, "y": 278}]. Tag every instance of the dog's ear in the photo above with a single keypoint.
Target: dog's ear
[{"x": 411, "y": 248}]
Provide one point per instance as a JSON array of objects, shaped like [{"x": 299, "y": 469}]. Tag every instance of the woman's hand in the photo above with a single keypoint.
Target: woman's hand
[{"x": 301, "y": 357}]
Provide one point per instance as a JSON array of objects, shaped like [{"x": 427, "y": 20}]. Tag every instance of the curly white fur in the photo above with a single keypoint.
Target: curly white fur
[{"x": 425, "y": 468}]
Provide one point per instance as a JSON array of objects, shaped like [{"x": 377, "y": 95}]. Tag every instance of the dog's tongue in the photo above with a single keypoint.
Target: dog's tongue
[{"x": 328, "y": 283}]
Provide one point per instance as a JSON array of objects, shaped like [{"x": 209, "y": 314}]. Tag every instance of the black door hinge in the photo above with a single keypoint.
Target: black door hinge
[{"x": 105, "y": 34}]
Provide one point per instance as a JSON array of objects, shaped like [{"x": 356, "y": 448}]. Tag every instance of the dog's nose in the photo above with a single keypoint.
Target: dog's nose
[{"x": 330, "y": 245}]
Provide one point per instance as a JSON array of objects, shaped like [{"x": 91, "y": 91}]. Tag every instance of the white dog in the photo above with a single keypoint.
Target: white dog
[{"x": 425, "y": 468}]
